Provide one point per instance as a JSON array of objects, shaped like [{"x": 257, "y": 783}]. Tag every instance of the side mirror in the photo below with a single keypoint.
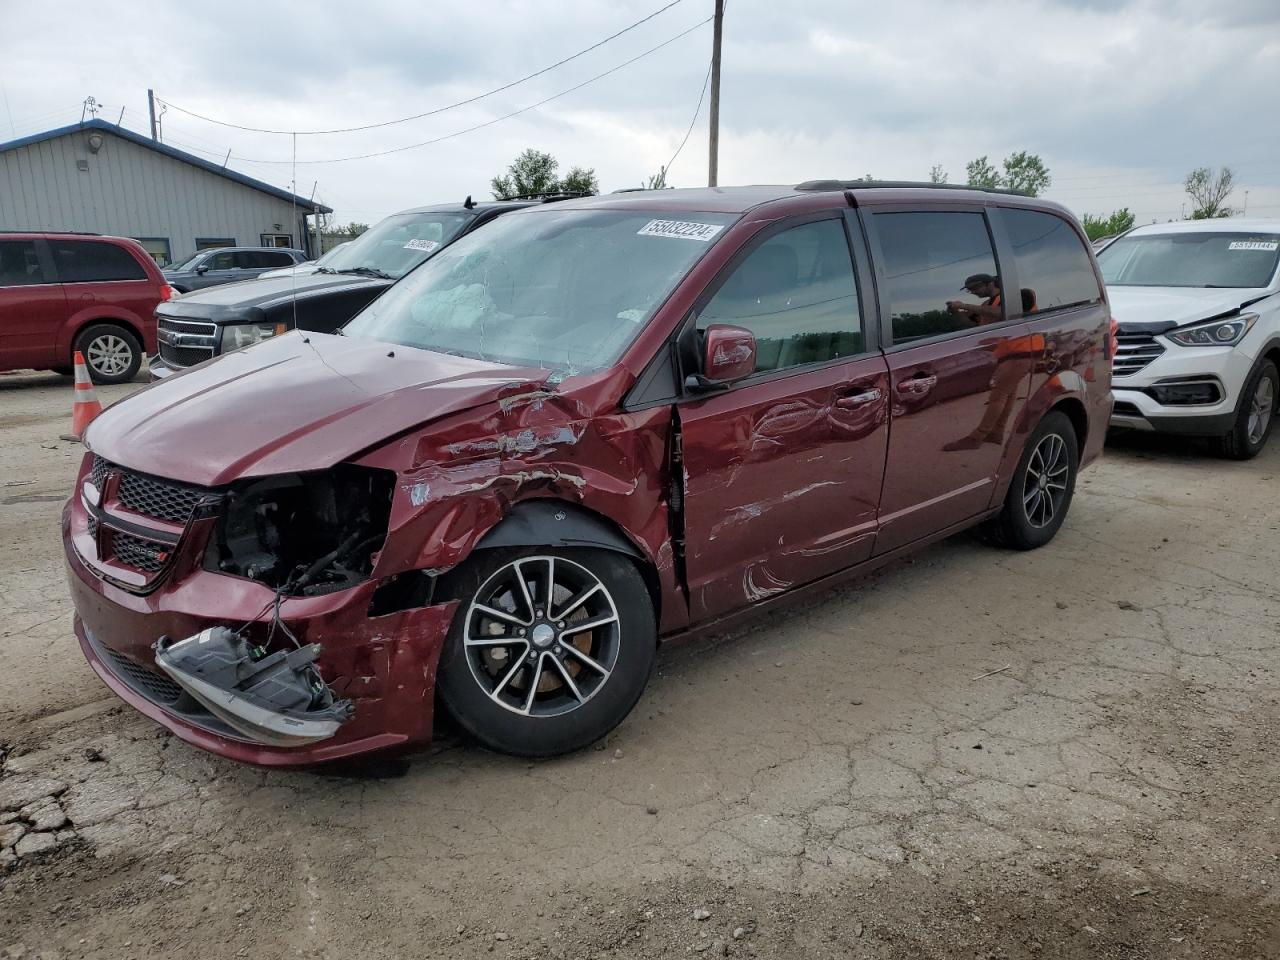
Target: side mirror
[
  {"x": 729, "y": 355},
  {"x": 202, "y": 269}
]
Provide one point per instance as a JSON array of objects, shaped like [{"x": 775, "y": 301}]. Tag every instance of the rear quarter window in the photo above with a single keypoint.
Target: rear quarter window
[
  {"x": 1054, "y": 269},
  {"x": 92, "y": 261}
]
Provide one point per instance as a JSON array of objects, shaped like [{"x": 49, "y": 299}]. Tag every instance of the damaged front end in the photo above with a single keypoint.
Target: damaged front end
[
  {"x": 304, "y": 534},
  {"x": 273, "y": 697}
]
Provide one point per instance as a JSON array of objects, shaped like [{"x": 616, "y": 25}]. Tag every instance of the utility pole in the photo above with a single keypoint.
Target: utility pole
[
  {"x": 713, "y": 166},
  {"x": 151, "y": 109}
]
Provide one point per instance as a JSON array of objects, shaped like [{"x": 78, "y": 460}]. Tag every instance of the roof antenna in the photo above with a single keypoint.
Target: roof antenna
[{"x": 468, "y": 203}]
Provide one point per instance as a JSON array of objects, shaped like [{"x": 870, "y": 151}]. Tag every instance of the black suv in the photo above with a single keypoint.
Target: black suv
[{"x": 203, "y": 325}]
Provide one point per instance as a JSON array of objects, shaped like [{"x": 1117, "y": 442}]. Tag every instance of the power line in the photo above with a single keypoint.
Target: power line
[
  {"x": 489, "y": 123},
  {"x": 696, "y": 110},
  {"x": 437, "y": 110}
]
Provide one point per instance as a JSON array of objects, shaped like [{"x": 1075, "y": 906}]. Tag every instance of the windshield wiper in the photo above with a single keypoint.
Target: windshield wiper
[
  {"x": 325, "y": 270},
  {"x": 369, "y": 272}
]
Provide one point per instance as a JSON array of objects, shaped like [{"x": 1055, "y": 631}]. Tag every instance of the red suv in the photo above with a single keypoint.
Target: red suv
[
  {"x": 63, "y": 292},
  {"x": 586, "y": 429}
]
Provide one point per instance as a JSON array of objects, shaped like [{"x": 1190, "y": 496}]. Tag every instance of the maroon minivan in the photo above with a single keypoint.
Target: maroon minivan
[
  {"x": 585, "y": 430},
  {"x": 63, "y": 292}
]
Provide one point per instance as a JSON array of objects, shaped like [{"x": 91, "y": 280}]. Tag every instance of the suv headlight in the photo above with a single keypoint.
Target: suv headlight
[
  {"x": 247, "y": 334},
  {"x": 1217, "y": 333}
]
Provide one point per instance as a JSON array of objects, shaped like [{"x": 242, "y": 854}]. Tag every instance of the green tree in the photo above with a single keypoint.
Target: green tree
[
  {"x": 534, "y": 172},
  {"x": 1026, "y": 173},
  {"x": 580, "y": 180},
  {"x": 657, "y": 181},
  {"x": 937, "y": 174},
  {"x": 1023, "y": 172},
  {"x": 981, "y": 173},
  {"x": 1097, "y": 227},
  {"x": 352, "y": 229},
  {"x": 1209, "y": 192}
]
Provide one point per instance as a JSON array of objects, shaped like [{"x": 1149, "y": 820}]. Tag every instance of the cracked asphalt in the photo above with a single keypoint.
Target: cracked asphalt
[{"x": 976, "y": 753}]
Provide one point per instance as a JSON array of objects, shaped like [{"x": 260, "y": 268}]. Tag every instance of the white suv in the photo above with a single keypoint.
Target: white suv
[{"x": 1198, "y": 306}]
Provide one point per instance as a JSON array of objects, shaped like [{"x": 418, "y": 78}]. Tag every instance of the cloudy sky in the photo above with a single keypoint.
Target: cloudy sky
[{"x": 1120, "y": 98}]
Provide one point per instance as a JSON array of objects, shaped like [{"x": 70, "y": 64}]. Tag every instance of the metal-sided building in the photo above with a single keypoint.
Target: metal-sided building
[{"x": 101, "y": 178}]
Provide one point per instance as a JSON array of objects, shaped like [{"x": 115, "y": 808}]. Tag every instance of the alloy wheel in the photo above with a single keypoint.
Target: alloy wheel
[
  {"x": 542, "y": 636},
  {"x": 1045, "y": 487},
  {"x": 109, "y": 355},
  {"x": 1261, "y": 408}
]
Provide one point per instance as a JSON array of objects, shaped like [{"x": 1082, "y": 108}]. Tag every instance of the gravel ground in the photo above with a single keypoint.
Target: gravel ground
[{"x": 840, "y": 780}]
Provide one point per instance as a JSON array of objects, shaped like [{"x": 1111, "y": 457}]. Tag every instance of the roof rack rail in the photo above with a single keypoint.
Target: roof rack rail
[
  {"x": 821, "y": 185},
  {"x": 555, "y": 195},
  {"x": 630, "y": 190}
]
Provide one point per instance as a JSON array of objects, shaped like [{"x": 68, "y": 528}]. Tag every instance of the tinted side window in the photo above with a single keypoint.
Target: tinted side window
[
  {"x": 930, "y": 264},
  {"x": 19, "y": 265},
  {"x": 277, "y": 259},
  {"x": 797, "y": 294},
  {"x": 221, "y": 261},
  {"x": 90, "y": 261},
  {"x": 1053, "y": 267}
]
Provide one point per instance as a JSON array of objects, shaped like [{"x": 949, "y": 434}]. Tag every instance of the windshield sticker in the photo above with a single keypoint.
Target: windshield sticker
[
  {"x": 1268, "y": 245},
  {"x": 425, "y": 245},
  {"x": 683, "y": 229}
]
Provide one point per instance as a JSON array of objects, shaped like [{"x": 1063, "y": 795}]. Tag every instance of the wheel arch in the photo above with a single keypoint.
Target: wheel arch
[
  {"x": 551, "y": 522},
  {"x": 1074, "y": 409},
  {"x": 79, "y": 325}
]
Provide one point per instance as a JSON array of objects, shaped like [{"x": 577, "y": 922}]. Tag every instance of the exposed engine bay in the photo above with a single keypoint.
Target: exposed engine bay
[{"x": 304, "y": 533}]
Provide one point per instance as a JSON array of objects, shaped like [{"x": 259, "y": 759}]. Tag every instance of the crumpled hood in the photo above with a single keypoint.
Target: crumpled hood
[
  {"x": 1174, "y": 305},
  {"x": 291, "y": 403}
]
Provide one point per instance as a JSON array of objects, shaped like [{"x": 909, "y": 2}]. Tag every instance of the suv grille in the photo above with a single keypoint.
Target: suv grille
[
  {"x": 184, "y": 343},
  {"x": 1134, "y": 351},
  {"x": 158, "y": 498},
  {"x": 98, "y": 474},
  {"x": 146, "y": 555}
]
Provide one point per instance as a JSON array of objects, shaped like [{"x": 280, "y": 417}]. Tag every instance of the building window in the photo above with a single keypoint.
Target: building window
[
  {"x": 212, "y": 243},
  {"x": 276, "y": 239},
  {"x": 158, "y": 247}
]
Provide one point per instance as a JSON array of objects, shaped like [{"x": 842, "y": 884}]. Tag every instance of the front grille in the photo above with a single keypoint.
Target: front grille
[
  {"x": 184, "y": 356},
  {"x": 158, "y": 498},
  {"x": 1134, "y": 352},
  {"x": 145, "y": 555},
  {"x": 98, "y": 473},
  {"x": 184, "y": 343},
  {"x": 93, "y": 525},
  {"x": 154, "y": 686}
]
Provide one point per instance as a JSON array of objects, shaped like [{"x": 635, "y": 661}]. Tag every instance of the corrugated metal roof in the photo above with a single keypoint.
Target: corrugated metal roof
[{"x": 171, "y": 152}]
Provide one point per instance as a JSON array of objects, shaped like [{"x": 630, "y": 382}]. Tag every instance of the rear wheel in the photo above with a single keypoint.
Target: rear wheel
[
  {"x": 112, "y": 353},
  {"x": 1255, "y": 415},
  {"x": 1043, "y": 485},
  {"x": 550, "y": 648}
]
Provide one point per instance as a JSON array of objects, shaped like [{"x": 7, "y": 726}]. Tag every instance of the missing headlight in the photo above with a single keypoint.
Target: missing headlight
[{"x": 304, "y": 533}]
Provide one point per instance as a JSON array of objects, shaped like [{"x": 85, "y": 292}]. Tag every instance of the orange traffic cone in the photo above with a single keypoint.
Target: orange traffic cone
[{"x": 86, "y": 405}]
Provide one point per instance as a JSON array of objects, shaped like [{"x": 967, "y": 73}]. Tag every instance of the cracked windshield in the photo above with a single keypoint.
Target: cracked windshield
[{"x": 566, "y": 290}]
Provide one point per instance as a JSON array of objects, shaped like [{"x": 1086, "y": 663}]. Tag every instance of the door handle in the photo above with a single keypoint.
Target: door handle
[
  {"x": 860, "y": 399},
  {"x": 921, "y": 383}
]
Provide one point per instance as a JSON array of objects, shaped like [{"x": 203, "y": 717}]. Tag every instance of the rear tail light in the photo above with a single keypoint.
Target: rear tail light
[
  {"x": 1113, "y": 340},
  {"x": 166, "y": 292}
]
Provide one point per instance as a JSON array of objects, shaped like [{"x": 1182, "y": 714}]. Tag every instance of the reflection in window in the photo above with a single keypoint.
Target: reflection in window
[
  {"x": 1053, "y": 267},
  {"x": 934, "y": 266},
  {"x": 797, "y": 294}
]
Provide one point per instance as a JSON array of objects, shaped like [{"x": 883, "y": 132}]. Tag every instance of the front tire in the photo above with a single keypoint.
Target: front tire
[
  {"x": 112, "y": 353},
  {"x": 549, "y": 650},
  {"x": 1255, "y": 416},
  {"x": 1042, "y": 487}
]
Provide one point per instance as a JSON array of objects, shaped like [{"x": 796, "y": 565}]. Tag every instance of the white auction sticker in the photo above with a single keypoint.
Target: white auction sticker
[
  {"x": 682, "y": 229},
  {"x": 1269, "y": 245},
  {"x": 427, "y": 245}
]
